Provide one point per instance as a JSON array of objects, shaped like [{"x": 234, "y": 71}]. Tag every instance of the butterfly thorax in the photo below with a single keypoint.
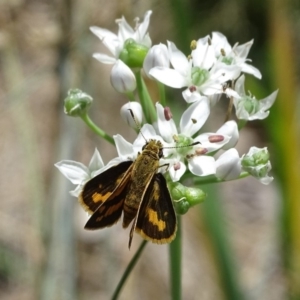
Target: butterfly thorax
[{"x": 144, "y": 168}]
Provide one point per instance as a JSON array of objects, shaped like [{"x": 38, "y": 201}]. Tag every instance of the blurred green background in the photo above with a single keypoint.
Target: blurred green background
[{"x": 242, "y": 243}]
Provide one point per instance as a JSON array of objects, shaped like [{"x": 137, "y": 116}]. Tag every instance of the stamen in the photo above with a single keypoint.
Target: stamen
[
  {"x": 168, "y": 113},
  {"x": 223, "y": 53},
  {"x": 194, "y": 121},
  {"x": 198, "y": 152},
  {"x": 216, "y": 138},
  {"x": 189, "y": 57},
  {"x": 175, "y": 138},
  {"x": 201, "y": 151},
  {"x": 176, "y": 166},
  {"x": 193, "y": 45},
  {"x": 192, "y": 89}
]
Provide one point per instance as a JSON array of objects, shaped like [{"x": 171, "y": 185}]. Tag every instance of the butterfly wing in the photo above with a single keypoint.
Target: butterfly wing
[
  {"x": 103, "y": 196},
  {"x": 156, "y": 218}
]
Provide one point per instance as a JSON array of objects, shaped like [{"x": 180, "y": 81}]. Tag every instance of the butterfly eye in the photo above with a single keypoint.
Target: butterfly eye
[
  {"x": 144, "y": 146},
  {"x": 160, "y": 153}
]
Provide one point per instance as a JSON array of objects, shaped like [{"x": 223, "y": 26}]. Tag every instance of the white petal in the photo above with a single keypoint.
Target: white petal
[
  {"x": 157, "y": 56},
  {"x": 202, "y": 165},
  {"x": 169, "y": 77},
  {"x": 176, "y": 174},
  {"x": 122, "y": 78},
  {"x": 242, "y": 51},
  {"x": 101, "y": 33},
  {"x": 124, "y": 148},
  {"x": 267, "y": 102},
  {"x": 75, "y": 171},
  {"x": 76, "y": 192},
  {"x": 167, "y": 128},
  {"x": 195, "y": 116},
  {"x": 228, "y": 165},
  {"x": 266, "y": 180},
  {"x": 178, "y": 60},
  {"x": 239, "y": 85},
  {"x": 229, "y": 128},
  {"x": 125, "y": 30},
  {"x": 260, "y": 115},
  {"x": 246, "y": 68},
  {"x": 143, "y": 27},
  {"x": 211, "y": 147},
  {"x": 204, "y": 55},
  {"x": 136, "y": 109},
  {"x": 104, "y": 58},
  {"x": 96, "y": 162},
  {"x": 219, "y": 41}
]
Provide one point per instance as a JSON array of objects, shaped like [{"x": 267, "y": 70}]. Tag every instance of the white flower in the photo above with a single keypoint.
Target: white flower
[
  {"x": 180, "y": 143},
  {"x": 236, "y": 55},
  {"x": 256, "y": 163},
  {"x": 248, "y": 107},
  {"x": 78, "y": 173},
  {"x": 202, "y": 73},
  {"x": 122, "y": 78},
  {"x": 115, "y": 43},
  {"x": 228, "y": 165}
]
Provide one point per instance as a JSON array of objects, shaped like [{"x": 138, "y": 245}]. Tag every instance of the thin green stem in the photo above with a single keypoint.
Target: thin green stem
[
  {"x": 96, "y": 129},
  {"x": 175, "y": 263},
  {"x": 145, "y": 99},
  {"x": 130, "y": 96},
  {"x": 229, "y": 109},
  {"x": 241, "y": 124},
  {"x": 128, "y": 270},
  {"x": 210, "y": 179},
  {"x": 162, "y": 94}
]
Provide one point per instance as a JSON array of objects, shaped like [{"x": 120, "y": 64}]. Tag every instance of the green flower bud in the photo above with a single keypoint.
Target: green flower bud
[
  {"x": 256, "y": 162},
  {"x": 255, "y": 157},
  {"x": 177, "y": 190},
  {"x": 181, "y": 206},
  {"x": 195, "y": 196},
  {"x": 133, "y": 54},
  {"x": 185, "y": 197},
  {"x": 77, "y": 103}
]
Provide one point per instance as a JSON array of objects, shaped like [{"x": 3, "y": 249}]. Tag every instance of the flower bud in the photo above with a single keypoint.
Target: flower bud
[
  {"x": 77, "y": 103},
  {"x": 229, "y": 128},
  {"x": 136, "y": 109},
  {"x": 133, "y": 54},
  {"x": 256, "y": 162},
  {"x": 228, "y": 165},
  {"x": 156, "y": 57},
  {"x": 122, "y": 78},
  {"x": 195, "y": 196},
  {"x": 185, "y": 197}
]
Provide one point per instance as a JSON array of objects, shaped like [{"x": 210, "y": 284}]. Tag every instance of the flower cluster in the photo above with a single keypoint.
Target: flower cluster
[{"x": 212, "y": 69}]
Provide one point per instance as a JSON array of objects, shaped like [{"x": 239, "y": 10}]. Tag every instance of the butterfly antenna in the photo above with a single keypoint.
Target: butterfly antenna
[
  {"x": 137, "y": 124},
  {"x": 183, "y": 146}
]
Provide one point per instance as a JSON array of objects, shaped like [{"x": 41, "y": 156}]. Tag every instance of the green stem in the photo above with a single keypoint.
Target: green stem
[
  {"x": 175, "y": 263},
  {"x": 145, "y": 99},
  {"x": 128, "y": 270},
  {"x": 210, "y": 179},
  {"x": 162, "y": 94},
  {"x": 96, "y": 129},
  {"x": 241, "y": 124}
]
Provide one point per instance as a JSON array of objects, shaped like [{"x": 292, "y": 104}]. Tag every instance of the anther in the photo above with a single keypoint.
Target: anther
[
  {"x": 168, "y": 113},
  {"x": 216, "y": 138}
]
